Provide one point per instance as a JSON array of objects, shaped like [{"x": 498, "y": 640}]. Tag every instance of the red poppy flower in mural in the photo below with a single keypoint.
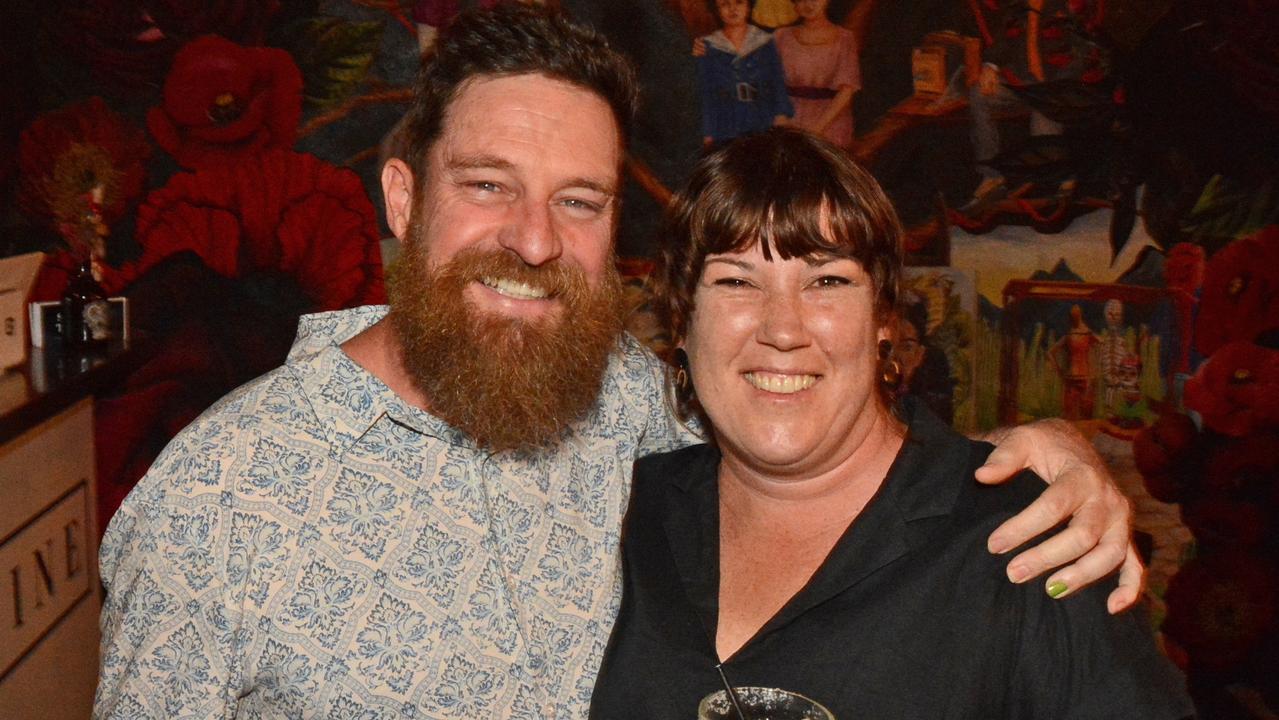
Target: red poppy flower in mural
[
  {"x": 275, "y": 212},
  {"x": 1245, "y": 468},
  {"x": 223, "y": 101},
  {"x": 1166, "y": 455},
  {"x": 1220, "y": 607},
  {"x": 130, "y": 43},
  {"x": 1237, "y": 389},
  {"x": 67, "y": 153},
  {"x": 1222, "y": 522},
  {"x": 1240, "y": 292}
]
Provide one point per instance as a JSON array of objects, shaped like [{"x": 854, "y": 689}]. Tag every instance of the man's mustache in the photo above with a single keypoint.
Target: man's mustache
[{"x": 557, "y": 277}]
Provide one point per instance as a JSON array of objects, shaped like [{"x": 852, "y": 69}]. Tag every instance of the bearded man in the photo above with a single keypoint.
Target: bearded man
[{"x": 418, "y": 514}]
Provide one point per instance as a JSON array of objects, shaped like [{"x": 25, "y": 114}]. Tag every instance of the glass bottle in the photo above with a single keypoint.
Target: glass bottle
[{"x": 86, "y": 314}]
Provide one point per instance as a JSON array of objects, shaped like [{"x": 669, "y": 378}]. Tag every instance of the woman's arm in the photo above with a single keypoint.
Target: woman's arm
[{"x": 838, "y": 104}]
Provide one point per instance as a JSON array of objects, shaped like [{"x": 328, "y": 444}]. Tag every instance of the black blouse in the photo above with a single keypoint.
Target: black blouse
[{"x": 908, "y": 617}]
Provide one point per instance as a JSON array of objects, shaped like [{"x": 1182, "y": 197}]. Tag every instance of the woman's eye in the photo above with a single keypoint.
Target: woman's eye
[
  {"x": 832, "y": 281},
  {"x": 732, "y": 282}
]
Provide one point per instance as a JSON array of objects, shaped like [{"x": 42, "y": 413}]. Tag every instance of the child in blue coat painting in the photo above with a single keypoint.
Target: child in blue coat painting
[{"x": 739, "y": 77}]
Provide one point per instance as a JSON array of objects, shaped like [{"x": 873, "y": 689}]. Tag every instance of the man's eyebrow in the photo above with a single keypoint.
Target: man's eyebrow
[
  {"x": 485, "y": 161},
  {"x": 599, "y": 186},
  {"x": 478, "y": 162}
]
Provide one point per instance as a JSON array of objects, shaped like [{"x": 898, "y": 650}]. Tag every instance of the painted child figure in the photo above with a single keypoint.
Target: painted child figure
[{"x": 739, "y": 76}]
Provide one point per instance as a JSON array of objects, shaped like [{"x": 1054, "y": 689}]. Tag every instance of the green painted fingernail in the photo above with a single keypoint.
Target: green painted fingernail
[{"x": 1056, "y": 589}]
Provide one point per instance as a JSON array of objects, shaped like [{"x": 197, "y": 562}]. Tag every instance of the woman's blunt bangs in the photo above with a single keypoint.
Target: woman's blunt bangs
[{"x": 777, "y": 188}]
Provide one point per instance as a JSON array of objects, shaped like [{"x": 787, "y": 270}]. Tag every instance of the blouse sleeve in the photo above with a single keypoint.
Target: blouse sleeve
[{"x": 847, "y": 71}]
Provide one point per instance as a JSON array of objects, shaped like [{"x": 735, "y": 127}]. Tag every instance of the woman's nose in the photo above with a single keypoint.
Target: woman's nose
[{"x": 782, "y": 323}]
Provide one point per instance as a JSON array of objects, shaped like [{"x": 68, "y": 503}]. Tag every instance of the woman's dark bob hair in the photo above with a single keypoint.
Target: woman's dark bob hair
[{"x": 792, "y": 193}]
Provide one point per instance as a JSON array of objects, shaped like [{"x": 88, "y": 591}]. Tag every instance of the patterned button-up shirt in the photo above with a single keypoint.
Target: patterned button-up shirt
[{"x": 313, "y": 546}]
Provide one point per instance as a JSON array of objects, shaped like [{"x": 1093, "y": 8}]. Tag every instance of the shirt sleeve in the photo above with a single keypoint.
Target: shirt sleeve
[
  {"x": 645, "y": 393},
  {"x": 706, "y": 91},
  {"x": 1077, "y": 662},
  {"x": 775, "y": 80},
  {"x": 169, "y": 625}
]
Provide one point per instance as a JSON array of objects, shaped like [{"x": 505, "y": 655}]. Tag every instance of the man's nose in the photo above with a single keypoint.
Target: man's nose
[{"x": 531, "y": 233}]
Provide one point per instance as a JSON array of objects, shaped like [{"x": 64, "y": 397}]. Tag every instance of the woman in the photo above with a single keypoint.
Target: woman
[
  {"x": 820, "y": 59},
  {"x": 825, "y": 544},
  {"x": 925, "y": 370},
  {"x": 739, "y": 76}
]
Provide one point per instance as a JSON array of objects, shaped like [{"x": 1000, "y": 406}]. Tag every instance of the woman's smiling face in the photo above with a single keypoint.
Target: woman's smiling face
[{"x": 783, "y": 357}]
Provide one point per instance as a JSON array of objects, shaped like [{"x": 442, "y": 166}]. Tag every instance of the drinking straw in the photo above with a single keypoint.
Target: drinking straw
[{"x": 732, "y": 694}]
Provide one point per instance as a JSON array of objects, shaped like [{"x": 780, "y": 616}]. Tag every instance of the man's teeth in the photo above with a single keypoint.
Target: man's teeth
[
  {"x": 511, "y": 288},
  {"x": 784, "y": 384}
]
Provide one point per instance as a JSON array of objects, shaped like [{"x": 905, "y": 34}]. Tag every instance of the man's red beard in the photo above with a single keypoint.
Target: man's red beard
[{"x": 508, "y": 383}]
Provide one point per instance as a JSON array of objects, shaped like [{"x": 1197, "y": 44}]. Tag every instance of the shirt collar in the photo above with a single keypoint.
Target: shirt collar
[
  {"x": 885, "y": 531},
  {"x": 347, "y": 399},
  {"x": 930, "y": 443},
  {"x": 755, "y": 39}
]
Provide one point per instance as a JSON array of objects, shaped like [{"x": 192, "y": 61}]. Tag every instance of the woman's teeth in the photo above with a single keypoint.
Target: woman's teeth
[
  {"x": 783, "y": 384},
  {"x": 511, "y": 288}
]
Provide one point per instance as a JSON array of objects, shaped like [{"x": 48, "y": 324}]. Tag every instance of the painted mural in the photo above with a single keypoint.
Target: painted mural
[{"x": 1090, "y": 188}]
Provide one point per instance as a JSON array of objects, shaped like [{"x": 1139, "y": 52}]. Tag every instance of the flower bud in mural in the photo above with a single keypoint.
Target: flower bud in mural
[
  {"x": 79, "y": 159},
  {"x": 224, "y": 101}
]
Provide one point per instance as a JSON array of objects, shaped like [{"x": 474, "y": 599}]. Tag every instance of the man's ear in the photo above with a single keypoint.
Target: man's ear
[{"x": 397, "y": 191}]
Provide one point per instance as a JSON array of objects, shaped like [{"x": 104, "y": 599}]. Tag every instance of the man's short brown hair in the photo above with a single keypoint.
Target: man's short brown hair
[{"x": 515, "y": 39}]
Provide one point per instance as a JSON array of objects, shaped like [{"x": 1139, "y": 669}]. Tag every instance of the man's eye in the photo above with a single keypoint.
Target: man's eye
[
  {"x": 484, "y": 186},
  {"x": 580, "y": 206}
]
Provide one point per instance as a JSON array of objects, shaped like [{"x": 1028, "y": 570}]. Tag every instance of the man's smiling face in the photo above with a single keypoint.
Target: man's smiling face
[
  {"x": 526, "y": 167},
  {"x": 506, "y": 301}
]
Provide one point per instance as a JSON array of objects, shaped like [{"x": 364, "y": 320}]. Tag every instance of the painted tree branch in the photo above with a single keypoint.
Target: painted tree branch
[
  {"x": 392, "y": 8},
  {"x": 393, "y": 95}
]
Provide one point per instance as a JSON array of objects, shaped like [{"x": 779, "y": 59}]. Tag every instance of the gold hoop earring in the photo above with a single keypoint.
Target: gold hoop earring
[
  {"x": 890, "y": 370},
  {"x": 682, "y": 382}
]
